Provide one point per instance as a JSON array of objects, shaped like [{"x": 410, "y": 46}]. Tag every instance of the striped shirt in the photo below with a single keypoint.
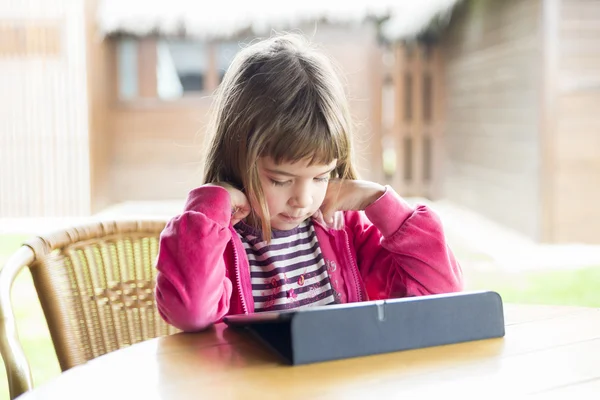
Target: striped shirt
[{"x": 290, "y": 271}]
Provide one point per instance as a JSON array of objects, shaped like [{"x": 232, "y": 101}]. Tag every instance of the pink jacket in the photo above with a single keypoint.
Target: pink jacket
[{"x": 389, "y": 250}]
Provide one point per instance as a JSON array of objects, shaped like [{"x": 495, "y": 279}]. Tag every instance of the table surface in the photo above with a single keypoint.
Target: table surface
[{"x": 547, "y": 351}]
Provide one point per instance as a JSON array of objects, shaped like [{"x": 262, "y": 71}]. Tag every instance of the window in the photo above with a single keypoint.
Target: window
[
  {"x": 181, "y": 68},
  {"x": 128, "y": 69},
  {"x": 175, "y": 68}
]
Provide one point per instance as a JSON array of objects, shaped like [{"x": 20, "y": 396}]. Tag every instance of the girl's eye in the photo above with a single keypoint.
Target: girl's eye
[
  {"x": 324, "y": 179},
  {"x": 279, "y": 183}
]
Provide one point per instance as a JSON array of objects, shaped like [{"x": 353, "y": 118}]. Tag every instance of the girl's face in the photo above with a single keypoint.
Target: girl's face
[{"x": 293, "y": 191}]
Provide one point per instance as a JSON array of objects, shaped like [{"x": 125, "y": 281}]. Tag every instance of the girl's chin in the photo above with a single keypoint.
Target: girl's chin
[{"x": 284, "y": 223}]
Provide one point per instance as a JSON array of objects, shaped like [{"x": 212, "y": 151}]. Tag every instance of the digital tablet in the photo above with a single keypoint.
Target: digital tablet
[{"x": 338, "y": 331}]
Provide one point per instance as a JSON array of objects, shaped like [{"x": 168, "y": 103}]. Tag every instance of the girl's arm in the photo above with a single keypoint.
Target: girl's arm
[
  {"x": 193, "y": 289},
  {"x": 402, "y": 251}
]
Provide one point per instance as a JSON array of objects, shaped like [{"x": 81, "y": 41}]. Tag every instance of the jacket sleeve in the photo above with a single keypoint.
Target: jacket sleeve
[
  {"x": 402, "y": 251},
  {"x": 193, "y": 290}
]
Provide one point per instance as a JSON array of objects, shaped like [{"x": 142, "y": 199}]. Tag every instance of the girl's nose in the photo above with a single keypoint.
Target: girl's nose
[{"x": 301, "y": 199}]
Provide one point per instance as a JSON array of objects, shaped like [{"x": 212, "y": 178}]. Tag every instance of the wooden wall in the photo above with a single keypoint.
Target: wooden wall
[
  {"x": 156, "y": 149},
  {"x": 575, "y": 116},
  {"x": 101, "y": 82},
  {"x": 492, "y": 81},
  {"x": 354, "y": 49}
]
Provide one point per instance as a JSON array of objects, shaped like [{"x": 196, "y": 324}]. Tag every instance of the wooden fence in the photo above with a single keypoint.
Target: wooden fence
[{"x": 410, "y": 115}]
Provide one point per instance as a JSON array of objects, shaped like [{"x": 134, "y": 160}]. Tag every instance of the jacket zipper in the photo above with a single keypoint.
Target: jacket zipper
[
  {"x": 238, "y": 278},
  {"x": 354, "y": 268}
]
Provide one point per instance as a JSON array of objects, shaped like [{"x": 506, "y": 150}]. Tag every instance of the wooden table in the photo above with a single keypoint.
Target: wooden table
[{"x": 546, "y": 351}]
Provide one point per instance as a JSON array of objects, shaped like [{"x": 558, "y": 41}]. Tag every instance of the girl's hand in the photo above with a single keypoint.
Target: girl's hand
[
  {"x": 240, "y": 206},
  {"x": 346, "y": 194}
]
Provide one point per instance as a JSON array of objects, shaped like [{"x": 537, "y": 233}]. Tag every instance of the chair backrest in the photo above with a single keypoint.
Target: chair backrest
[{"x": 96, "y": 287}]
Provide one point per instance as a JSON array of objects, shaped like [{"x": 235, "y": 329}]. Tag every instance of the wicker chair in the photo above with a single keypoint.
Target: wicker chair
[{"x": 95, "y": 284}]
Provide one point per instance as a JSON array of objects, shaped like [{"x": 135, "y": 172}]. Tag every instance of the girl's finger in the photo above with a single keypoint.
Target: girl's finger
[
  {"x": 328, "y": 213},
  {"x": 238, "y": 214}
]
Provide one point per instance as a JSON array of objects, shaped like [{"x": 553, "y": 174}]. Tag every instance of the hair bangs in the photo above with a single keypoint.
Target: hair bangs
[{"x": 304, "y": 137}]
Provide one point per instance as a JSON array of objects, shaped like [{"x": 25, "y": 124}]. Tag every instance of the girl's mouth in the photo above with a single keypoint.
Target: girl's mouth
[{"x": 293, "y": 219}]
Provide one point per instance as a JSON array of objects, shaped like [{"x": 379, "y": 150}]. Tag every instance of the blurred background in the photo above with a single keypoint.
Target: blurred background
[{"x": 488, "y": 111}]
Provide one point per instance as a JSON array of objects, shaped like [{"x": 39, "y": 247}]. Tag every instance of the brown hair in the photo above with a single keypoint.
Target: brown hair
[{"x": 283, "y": 99}]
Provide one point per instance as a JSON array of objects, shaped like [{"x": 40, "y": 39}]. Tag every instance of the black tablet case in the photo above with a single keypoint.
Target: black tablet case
[{"x": 330, "y": 333}]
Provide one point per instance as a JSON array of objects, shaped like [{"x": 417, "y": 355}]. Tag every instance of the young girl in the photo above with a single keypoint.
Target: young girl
[{"x": 282, "y": 221}]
